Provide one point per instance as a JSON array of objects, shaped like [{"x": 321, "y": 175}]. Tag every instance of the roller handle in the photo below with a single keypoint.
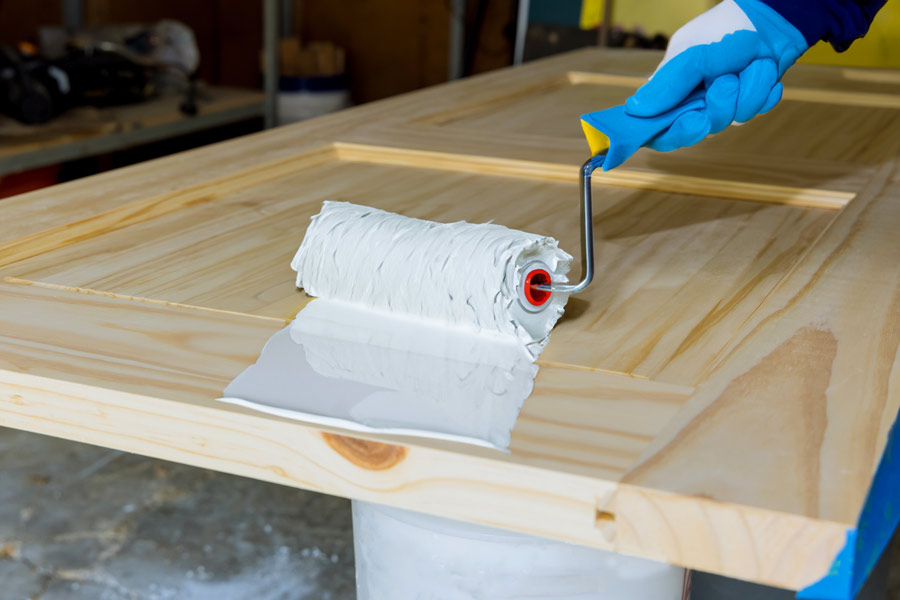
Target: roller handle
[{"x": 587, "y": 234}]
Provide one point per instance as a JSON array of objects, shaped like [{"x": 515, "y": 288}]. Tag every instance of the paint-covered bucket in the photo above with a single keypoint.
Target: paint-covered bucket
[{"x": 404, "y": 555}]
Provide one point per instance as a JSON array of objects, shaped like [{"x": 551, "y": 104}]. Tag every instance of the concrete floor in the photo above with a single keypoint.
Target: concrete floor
[{"x": 79, "y": 522}]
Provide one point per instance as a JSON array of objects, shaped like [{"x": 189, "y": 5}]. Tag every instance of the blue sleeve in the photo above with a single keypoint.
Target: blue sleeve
[{"x": 838, "y": 22}]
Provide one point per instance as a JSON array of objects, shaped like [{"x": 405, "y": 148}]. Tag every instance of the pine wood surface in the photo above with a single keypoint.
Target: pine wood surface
[{"x": 718, "y": 398}]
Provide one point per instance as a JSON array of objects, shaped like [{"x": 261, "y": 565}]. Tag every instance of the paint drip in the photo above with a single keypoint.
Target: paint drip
[{"x": 418, "y": 328}]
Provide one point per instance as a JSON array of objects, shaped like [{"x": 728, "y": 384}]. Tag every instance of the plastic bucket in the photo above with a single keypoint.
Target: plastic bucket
[{"x": 403, "y": 555}]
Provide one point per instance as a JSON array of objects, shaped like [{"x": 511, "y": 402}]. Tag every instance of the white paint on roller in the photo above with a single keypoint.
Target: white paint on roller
[
  {"x": 402, "y": 554},
  {"x": 459, "y": 274},
  {"x": 418, "y": 328}
]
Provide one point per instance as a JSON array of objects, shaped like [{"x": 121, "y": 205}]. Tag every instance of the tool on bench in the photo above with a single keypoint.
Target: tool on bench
[
  {"x": 486, "y": 276},
  {"x": 461, "y": 274}
]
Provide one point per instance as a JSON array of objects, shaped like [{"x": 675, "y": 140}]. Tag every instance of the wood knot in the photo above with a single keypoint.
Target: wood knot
[{"x": 374, "y": 456}]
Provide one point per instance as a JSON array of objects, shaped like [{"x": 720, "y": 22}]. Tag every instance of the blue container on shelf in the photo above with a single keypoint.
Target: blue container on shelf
[{"x": 301, "y": 98}]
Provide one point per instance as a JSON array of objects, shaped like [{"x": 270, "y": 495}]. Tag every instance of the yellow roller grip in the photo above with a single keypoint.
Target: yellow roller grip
[{"x": 596, "y": 139}]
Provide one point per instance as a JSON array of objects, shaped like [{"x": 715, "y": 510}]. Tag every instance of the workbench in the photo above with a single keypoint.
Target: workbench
[
  {"x": 720, "y": 398},
  {"x": 87, "y": 131}
]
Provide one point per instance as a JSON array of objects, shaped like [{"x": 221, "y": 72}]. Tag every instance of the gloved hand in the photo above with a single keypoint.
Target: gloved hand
[{"x": 734, "y": 56}]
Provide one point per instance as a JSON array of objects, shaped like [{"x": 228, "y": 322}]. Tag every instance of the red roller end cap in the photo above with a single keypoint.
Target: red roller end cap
[{"x": 534, "y": 295}]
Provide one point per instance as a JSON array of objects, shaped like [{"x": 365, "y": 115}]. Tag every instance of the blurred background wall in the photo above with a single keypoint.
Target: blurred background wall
[{"x": 394, "y": 46}]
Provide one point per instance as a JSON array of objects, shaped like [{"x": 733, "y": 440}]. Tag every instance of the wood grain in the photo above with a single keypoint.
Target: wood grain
[
  {"x": 862, "y": 125},
  {"x": 822, "y": 353},
  {"x": 172, "y": 352},
  {"x": 656, "y": 248},
  {"x": 499, "y": 492},
  {"x": 367, "y": 454},
  {"x": 626, "y": 178},
  {"x": 190, "y": 354},
  {"x": 718, "y": 398},
  {"x": 150, "y": 208},
  {"x": 696, "y": 163},
  {"x": 503, "y": 490}
]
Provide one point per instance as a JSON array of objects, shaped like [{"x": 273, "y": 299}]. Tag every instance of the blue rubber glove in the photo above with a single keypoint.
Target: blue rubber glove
[
  {"x": 736, "y": 54},
  {"x": 614, "y": 135}
]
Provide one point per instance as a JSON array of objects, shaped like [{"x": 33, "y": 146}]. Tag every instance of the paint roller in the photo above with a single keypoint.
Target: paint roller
[
  {"x": 484, "y": 277},
  {"x": 418, "y": 327}
]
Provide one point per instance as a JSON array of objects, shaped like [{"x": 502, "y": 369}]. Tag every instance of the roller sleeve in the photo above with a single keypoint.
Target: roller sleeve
[{"x": 461, "y": 274}]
